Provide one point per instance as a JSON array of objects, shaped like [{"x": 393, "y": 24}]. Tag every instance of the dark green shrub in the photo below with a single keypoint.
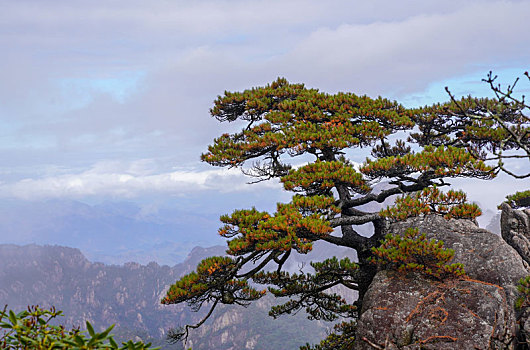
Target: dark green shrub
[
  {"x": 414, "y": 252},
  {"x": 519, "y": 199},
  {"x": 523, "y": 287},
  {"x": 452, "y": 205}
]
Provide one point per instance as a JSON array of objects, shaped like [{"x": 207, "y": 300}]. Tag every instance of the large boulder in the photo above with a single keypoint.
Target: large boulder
[
  {"x": 515, "y": 229},
  {"x": 412, "y": 312},
  {"x": 416, "y": 313},
  {"x": 486, "y": 256}
]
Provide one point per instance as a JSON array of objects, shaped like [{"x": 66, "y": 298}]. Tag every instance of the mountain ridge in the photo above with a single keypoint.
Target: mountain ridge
[{"x": 129, "y": 296}]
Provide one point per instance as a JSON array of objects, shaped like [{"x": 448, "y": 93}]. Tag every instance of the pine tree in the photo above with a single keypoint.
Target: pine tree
[{"x": 303, "y": 138}]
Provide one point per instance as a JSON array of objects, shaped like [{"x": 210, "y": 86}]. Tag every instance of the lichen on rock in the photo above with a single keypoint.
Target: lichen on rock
[
  {"x": 409, "y": 313},
  {"x": 476, "y": 312}
]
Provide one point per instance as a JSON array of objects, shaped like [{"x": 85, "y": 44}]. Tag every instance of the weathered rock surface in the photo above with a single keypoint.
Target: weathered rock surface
[
  {"x": 415, "y": 313},
  {"x": 478, "y": 311},
  {"x": 486, "y": 256},
  {"x": 515, "y": 229}
]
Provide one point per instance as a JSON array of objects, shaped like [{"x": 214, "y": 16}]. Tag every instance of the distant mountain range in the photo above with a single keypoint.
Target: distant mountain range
[
  {"x": 110, "y": 232},
  {"x": 115, "y": 232},
  {"x": 128, "y": 296}
]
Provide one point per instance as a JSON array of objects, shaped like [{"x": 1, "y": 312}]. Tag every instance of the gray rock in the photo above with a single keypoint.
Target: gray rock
[
  {"x": 417, "y": 313},
  {"x": 515, "y": 229},
  {"x": 480, "y": 313},
  {"x": 486, "y": 256}
]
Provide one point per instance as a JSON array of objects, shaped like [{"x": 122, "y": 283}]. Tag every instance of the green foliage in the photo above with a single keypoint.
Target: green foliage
[
  {"x": 260, "y": 231},
  {"x": 31, "y": 329},
  {"x": 519, "y": 199},
  {"x": 431, "y": 200},
  {"x": 441, "y": 161},
  {"x": 486, "y": 128},
  {"x": 472, "y": 121},
  {"x": 211, "y": 281},
  {"x": 523, "y": 287},
  {"x": 288, "y": 118},
  {"x": 307, "y": 290},
  {"x": 413, "y": 252},
  {"x": 320, "y": 177},
  {"x": 342, "y": 338}
]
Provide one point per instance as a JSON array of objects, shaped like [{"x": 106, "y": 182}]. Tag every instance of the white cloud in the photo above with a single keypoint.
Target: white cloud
[
  {"x": 403, "y": 56},
  {"x": 120, "y": 180},
  {"x": 185, "y": 53}
]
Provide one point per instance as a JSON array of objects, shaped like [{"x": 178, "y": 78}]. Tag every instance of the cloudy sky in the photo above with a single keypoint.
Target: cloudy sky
[{"x": 109, "y": 100}]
